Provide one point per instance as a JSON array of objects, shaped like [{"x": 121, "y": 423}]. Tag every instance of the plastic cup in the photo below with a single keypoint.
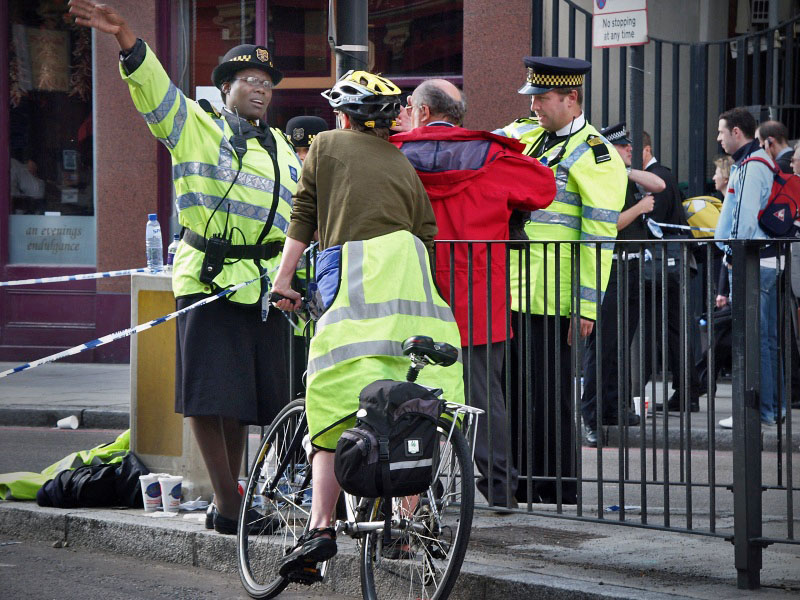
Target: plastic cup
[
  {"x": 70, "y": 422},
  {"x": 170, "y": 492},
  {"x": 637, "y": 407},
  {"x": 151, "y": 491}
]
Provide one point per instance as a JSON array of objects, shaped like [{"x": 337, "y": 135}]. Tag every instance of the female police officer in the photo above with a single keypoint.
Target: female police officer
[{"x": 234, "y": 179}]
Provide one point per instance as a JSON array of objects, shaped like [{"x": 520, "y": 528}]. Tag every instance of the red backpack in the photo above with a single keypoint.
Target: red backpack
[{"x": 780, "y": 218}]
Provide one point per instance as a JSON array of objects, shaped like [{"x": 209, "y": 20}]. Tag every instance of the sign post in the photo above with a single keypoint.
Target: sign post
[
  {"x": 624, "y": 23},
  {"x": 619, "y": 23}
]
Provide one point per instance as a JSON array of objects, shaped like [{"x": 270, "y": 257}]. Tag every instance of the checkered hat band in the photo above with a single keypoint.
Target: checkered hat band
[
  {"x": 547, "y": 80},
  {"x": 617, "y": 135}
]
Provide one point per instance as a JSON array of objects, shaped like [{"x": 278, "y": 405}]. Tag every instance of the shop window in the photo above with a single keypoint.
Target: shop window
[
  {"x": 297, "y": 35},
  {"x": 51, "y": 200},
  {"x": 416, "y": 37}
]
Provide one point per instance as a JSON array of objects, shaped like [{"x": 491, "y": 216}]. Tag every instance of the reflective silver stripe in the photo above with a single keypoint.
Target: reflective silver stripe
[
  {"x": 410, "y": 464},
  {"x": 589, "y": 237},
  {"x": 237, "y": 207},
  {"x": 422, "y": 254},
  {"x": 225, "y": 148},
  {"x": 161, "y": 111},
  {"x": 589, "y": 294},
  {"x": 359, "y": 309},
  {"x": 554, "y": 218},
  {"x": 377, "y": 310},
  {"x": 565, "y": 197},
  {"x": 355, "y": 350},
  {"x": 220, "y": 173},
  {"x": 355, "y": 274},
  {"x": 562, "y": 171},
  {"x": 606, "y": 215},
  {"x": 177, "y": 125}
]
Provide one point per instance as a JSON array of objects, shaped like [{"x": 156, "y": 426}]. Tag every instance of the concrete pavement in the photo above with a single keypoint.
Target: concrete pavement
[{"x": 541, "y": 555}]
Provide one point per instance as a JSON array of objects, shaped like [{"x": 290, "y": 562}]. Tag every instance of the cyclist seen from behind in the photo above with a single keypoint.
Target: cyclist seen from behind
[{"x": 376, "y": 228}]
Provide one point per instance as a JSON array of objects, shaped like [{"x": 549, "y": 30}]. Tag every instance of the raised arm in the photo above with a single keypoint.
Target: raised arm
[{"x": 102, "y": 18}]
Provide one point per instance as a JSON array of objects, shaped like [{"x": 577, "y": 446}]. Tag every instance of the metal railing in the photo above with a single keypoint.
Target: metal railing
[
  {"x": 700, "y": 79},
  {"x": 670, "y": 471},
  {"x": 673, "y": 471}
]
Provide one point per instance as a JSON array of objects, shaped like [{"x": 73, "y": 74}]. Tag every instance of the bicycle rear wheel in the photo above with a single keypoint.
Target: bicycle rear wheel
[
  {"x": 425, "y": 560},
  {"x": 289, "y": 500}
]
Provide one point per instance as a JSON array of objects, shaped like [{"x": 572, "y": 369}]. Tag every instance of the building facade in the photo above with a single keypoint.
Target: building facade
[{"x": 80, "y": 171}]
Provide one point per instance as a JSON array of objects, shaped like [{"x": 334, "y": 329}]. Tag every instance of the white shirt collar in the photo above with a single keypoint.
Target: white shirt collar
[
  {"x": 652, "y": 162},
  {"x": 574, "y": 125}
]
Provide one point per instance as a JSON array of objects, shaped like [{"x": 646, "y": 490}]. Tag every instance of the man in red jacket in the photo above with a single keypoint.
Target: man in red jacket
[{"x": 475, "y": 180}]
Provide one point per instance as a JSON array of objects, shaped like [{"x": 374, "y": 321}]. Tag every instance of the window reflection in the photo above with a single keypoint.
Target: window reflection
[
  {"x": 50, "y": 120},
  {"x": 298, "y": 37},
  {"x": 416, "y": 37}
]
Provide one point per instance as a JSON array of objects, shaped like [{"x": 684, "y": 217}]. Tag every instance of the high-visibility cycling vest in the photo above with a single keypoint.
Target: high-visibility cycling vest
[
  {"x": 204, "y": 165},
  {"x": 590, "y": 183},
  {"x": 386, "y": 294}
]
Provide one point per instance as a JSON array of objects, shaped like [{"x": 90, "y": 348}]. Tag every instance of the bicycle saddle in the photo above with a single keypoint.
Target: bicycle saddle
[{"x": 438, "y": 353}]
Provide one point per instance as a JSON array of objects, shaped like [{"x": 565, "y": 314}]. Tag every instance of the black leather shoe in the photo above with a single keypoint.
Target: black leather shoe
[
  {"x": 631, "y": 420},
  {"x": 674, "y": 404},
  {"x": 259, "y": 524},
  {"x": 591, "y": 437}
]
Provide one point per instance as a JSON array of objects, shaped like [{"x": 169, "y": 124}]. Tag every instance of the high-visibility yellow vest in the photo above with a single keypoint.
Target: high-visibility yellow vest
[
  {"x": 386, "y": 294},
  {"x": 590, "y": 195},
  {"x": 204, "y": 165}
]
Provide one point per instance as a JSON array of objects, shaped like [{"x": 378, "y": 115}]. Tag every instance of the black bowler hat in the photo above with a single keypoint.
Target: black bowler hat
[
  {"x": 302, "y": 130},
  {"x": 616, "y": 134},
  {"x": 547, "y": 73},
  {"x": 246, "y": 56}
]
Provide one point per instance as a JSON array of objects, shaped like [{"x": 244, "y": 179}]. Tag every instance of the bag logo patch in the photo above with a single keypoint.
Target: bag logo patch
[
  {"x": 781, "y": 214},
  {"x": 412, "y": 447}
]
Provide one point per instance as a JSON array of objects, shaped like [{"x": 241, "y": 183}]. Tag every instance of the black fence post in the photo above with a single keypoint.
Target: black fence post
[
  {"x": 537, "y": 27},
  {"x": 746, "y": 415},
  {"x": 698, "y": 107},
  {"x": 637, "y": 103}
]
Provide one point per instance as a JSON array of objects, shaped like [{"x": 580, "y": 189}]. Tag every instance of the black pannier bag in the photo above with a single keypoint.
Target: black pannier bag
[{"x": 390, "y": 451}]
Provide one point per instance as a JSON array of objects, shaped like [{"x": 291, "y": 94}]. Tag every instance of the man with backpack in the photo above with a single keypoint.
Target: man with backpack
[{"x": 749, "y": 191}]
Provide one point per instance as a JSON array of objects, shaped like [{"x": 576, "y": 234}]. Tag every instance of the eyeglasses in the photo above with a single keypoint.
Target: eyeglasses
[{"x": 255, "y": 82}]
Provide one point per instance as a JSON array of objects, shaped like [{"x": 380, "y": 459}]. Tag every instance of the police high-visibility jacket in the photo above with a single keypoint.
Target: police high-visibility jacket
[
  {"x": 590, "y": 181},
  {"x": 386, "y": 294},
  {"x": 204, "y": 165}
]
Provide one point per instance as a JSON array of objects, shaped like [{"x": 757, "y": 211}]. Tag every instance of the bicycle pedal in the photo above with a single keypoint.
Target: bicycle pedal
[{"x": 307, "y": 575}]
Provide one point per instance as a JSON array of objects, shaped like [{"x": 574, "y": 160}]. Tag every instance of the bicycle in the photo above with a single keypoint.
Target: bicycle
[{"x": 430, "y": 531}]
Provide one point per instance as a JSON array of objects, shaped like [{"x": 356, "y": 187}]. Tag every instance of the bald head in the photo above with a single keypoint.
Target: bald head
[{"x": 437, "y": 100}]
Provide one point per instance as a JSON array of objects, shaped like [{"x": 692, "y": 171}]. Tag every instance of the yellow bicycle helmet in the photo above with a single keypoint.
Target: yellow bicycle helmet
[{"x": 366, "y": 97}]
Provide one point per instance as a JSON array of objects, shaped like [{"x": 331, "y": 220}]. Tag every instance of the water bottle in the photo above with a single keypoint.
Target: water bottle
[
  {"x": 173, "y": 247},
  {"x": 155, "y": 252}
]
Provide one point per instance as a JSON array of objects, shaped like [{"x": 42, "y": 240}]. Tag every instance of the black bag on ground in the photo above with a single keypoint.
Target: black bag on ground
[
  {"x": 390, "y": 451},
  {"x": 92, "y": 486}
]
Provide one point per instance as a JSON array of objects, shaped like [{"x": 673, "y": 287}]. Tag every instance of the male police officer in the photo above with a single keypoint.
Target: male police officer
[{"x": 590, "y": 182}]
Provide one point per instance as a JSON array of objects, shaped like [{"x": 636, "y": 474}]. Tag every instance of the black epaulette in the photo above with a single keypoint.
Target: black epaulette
[
  {"x": 209, "y": 108},
  {"x": 599, "y": 148}
]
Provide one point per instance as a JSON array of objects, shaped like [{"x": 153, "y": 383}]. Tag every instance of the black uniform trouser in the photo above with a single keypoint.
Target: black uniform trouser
[
  {"x": 541, "y": 425},
  {"x": 487, "y": 360},
  {"x": 611, "y": 333}
]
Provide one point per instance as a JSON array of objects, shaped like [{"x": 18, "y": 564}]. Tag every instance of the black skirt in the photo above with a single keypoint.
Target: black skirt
[{"x": 229, "y": 363}]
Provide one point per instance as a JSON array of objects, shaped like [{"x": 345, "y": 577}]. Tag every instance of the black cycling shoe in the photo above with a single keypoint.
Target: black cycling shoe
[
  {"x": 259, "y": 523},
  {"x": 300, "y": 565}
]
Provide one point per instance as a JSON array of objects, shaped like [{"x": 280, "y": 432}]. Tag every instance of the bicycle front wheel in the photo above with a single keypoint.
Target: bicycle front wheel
[
  {"x": 428, "y": 548},
  {"x": 278, "y": 493}
]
